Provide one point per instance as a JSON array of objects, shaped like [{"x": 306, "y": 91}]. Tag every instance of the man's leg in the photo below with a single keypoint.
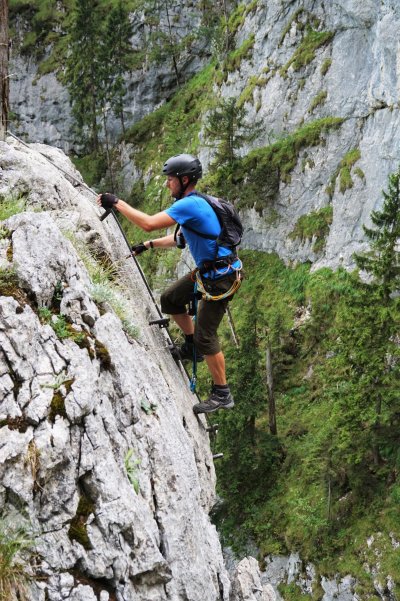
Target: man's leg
[
  {"x": 173, "y": 302},
  {"x": 216, "y": 367},
  {"x": 185, "y": 322},
  {"x": 209, "y": 317}
]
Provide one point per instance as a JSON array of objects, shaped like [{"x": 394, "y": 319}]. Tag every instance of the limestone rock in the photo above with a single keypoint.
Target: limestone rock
[{"x": 100, "y": 449}]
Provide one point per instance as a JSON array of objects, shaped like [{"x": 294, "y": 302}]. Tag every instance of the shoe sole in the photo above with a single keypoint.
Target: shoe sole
[{"x": 228, "y": 406}]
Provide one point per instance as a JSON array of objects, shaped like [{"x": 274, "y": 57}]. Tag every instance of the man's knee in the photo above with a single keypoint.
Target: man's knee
[{"x": 205, "y": 344}]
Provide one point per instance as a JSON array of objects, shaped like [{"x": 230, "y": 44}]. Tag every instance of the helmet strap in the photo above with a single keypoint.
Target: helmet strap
[{"x": 183, "y": 187}]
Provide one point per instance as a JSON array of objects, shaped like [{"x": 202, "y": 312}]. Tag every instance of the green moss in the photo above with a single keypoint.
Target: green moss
[
  {"x": 78, "y": 529},
  {"x": 295, "y": 19},
  {"x": 314, "y": 225},
  {"x": 234, "y": 59},
  {"x": 176, "y": 124},
  {"x": 360, "y": 173},
  {"x": 263, "y": 169},
  {"x": 11, "y": 206},
  {"x": 325, "y": 66},
  {"x": 239, "y": 15},
  {"x": 15, "y": 423},
  {"x": 318, "y": 100},
  {"x": 292, "y": 592},
  {"x": 305, "y": 53},
  {"x": 254, "y": 82},
  {"x": 102, "y": 355},
  {"x": 57, "y": 406},
  {"x": 344, "y": 173}
]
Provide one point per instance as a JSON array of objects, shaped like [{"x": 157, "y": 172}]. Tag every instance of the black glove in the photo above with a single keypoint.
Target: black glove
[
  {"x": 138, "y": 249},
  {"x": 108, "y": 200}
]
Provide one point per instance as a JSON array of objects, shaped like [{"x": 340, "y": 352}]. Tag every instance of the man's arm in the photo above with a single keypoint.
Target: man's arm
[{"x": 148, "y": 223}]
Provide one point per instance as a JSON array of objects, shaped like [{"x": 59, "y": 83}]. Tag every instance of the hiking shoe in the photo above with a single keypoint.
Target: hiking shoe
[
  {"x": 186, "y": 352},
  {"x": 216, "y": 400}
]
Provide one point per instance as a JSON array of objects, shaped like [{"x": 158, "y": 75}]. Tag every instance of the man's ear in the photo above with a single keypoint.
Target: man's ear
[{"x": 185, "y": 180}]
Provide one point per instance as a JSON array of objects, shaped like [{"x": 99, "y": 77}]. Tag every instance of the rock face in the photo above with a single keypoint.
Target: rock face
[
  {"x": 101, "y": 455},
  {"x": 289, "y": 78},
  {"x": 41, "y": 103},
  {"x": 354, "y": 76}
]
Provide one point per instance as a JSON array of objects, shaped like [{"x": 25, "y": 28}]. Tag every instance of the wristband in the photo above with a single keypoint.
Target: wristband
[{"x": 151, "y": 244}]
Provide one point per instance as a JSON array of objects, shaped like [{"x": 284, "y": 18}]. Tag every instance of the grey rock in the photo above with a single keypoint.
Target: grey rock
[{"x": 112, "y": 492}]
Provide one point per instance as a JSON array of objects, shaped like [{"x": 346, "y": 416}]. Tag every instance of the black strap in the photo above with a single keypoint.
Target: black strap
[{"x": 221, "y": 262}]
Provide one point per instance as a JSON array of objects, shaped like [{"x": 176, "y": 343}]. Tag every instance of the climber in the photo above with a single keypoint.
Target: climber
[{"x": 218, "y": 269}]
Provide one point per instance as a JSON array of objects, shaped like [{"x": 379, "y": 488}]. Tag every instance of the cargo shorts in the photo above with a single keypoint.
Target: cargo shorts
[{"x": 175, "y": 299}]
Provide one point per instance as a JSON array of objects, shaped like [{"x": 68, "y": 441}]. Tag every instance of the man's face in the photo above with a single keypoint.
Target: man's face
[{"x": 174, "y": 186}]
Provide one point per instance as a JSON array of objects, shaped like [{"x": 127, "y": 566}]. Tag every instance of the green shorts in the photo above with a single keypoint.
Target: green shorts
[{"x": 175, "y": 299}]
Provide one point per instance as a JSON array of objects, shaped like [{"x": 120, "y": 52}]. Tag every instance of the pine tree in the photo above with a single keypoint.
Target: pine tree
[
  {"x": 227, "y": 126},
  {"x": 84, "y": 75},
  {"x": 383, "y": 262},
  {"x": 116, "y": 57}
]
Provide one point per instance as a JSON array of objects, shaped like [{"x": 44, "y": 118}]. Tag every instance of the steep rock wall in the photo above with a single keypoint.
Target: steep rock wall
[
  {"x": 41, "y": 103},
  {"x": 101, "y": 455},
  {"x": 308, "y": 61},
  {"x": 355, "y": 75}
]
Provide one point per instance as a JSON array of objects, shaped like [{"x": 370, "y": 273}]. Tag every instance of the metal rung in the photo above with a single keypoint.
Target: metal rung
[
  {"x": 162, "y": 323},
  {"x": 213, "y": 428},
  {"x": 218, "y": 456}
]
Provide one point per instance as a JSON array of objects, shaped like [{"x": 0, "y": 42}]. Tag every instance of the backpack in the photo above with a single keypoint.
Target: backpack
[{"x": 231, "y": 225}]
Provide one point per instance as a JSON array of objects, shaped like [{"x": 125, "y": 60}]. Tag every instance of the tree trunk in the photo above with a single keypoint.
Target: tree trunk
[
  {"x": 4, "y": 81},
  {"x": 271, "y": 395}
]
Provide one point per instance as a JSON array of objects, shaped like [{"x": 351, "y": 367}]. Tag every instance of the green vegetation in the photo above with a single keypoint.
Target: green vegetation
[
  {"x": 318, "y": 100},
  {"x": 305, "y": 53},
  {"x": 107, "y": 287},
  {"x": 254, "y": 180},
  {"x": 16, "y": 549},
  {"x": 344, "y": 173},
  {"x": 296, "y": 18},
  {"x": 11, "y": 206},
  {"x": 227, "y": 126},
  {"x": 329, "y": 479},
  {"x": 131, "y": 468},
  {"x": 325, "y": 66},
  {"x": 78, "y": 529},
  {"x": 316, "y": 226},
  {"x": 255, "y": 81}
]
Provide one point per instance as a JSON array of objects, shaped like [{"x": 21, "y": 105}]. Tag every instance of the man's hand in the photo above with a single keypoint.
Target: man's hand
[
  {"x": 138, "y": 249},
  {"x": 107, "y": 201}
]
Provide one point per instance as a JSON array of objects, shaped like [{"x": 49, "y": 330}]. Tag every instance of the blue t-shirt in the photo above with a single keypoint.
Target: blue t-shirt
[{"x": 197, "y": 213}]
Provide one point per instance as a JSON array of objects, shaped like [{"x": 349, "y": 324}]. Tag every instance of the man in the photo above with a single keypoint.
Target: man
[{"x": 218, "y": 265}]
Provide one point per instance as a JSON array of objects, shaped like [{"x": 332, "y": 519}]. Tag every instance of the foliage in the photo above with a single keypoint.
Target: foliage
[
  {"x": 318, "y": 100},
  {"x": 383, "y": 260},
  {"x": 325, "y": 66},
  {"x": 227, "y": 125},
  {"x": 254, "y": 180},
  {"x": 11, "y": 206},
  {"x": 85, "y": 75},
  {"x": 16, "y": 547},
  {"x": 344, "y": 172},
  {"x": 131, "y": 468},
  {"x": 78, "y": 527},
  {"x": 314, "y": 225},
  {"x": 305, "y": 53}
]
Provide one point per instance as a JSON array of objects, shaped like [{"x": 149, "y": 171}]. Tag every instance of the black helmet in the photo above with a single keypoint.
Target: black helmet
[{"x": 183, "y": 164}]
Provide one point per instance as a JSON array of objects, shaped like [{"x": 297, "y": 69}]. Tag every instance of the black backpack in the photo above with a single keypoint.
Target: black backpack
[{"x": 231, "y": 225}]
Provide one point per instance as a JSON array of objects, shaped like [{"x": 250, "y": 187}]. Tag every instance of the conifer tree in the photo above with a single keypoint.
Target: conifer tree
[
  {"x": 228, "y": 127},
  {"x": 383, "y": 261},
  {"x": 116, "y": 57},
  {"x": 84, "y": 74}
]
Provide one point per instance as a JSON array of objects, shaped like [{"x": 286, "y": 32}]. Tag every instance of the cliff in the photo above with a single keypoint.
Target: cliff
[
  {"x": 294, "y": 65},
  {"x": 103, "y": 462}
]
